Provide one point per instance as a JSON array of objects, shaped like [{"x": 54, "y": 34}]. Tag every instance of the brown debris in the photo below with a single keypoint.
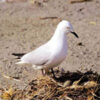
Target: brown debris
[
  {"x": 78, "y": 1},
  {"x": 49, "y": 17},
  {"x": 83, "y": 86}
]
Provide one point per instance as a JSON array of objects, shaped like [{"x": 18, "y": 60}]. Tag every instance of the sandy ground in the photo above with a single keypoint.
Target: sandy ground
[{"x": 25, "y": 26}]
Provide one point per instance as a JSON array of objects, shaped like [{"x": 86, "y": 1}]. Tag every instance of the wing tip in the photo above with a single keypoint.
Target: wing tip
[{"x": 18, "y": 63}]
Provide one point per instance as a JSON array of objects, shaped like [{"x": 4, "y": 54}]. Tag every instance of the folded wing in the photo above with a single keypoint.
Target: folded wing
[{"x": 39, "y": 56}]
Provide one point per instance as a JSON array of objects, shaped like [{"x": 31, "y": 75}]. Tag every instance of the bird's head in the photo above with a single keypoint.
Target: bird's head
[{"x": 66, "y": 27}]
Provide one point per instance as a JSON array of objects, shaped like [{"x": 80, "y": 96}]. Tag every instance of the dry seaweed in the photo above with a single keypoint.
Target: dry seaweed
[{"x": 83, "y": 86}]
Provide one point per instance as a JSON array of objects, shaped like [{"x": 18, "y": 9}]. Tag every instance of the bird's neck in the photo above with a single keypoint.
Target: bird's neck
[{"x": 59, "y": 35}]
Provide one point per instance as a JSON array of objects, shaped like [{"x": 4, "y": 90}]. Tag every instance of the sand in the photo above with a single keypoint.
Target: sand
[{"x": 26, "y": 25}]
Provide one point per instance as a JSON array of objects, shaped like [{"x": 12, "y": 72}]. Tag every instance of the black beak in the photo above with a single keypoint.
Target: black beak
[{"x": 75, "y": 34}]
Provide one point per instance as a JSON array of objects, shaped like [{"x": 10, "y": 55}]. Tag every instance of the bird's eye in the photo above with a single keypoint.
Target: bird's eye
[{"x": 68, "y": 27}]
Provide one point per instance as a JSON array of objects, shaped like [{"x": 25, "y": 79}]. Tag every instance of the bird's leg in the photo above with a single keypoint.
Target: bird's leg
[
  {"x": 46, "y": 71},
  {"x": 42, "y": 72},
  {"x": 52, "y": 71}
]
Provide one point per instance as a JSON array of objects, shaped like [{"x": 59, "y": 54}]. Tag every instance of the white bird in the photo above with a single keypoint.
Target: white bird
[{"x": 52, "y": 53}]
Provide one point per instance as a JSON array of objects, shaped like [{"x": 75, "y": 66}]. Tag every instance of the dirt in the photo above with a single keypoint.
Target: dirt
[{"x": 26, "y": 25}]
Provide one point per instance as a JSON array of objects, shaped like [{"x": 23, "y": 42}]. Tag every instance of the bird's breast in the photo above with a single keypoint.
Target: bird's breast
[{"x": 59, "y": 53}]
